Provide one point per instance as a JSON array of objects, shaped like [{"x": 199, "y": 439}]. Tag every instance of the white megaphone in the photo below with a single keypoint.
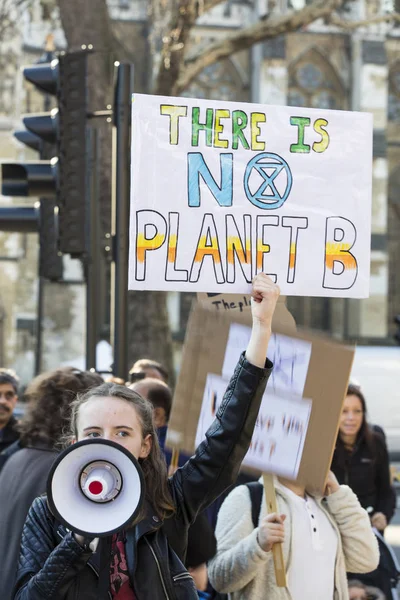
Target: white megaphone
[{"x": 95, "y": 488}]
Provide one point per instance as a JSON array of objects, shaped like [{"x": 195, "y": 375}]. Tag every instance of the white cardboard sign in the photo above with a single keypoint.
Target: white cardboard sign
[
  {"x": 279, "y": 435},
  {"x": 290, "y": 357},
  {"x": 223, "y": 190}
]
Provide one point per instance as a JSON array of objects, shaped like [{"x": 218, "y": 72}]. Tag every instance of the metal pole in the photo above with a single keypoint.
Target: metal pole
[
  {"x": 40, "y": 299},
  {"x": 39, "y": 327},
  {"x": 92, "y": 259},
  {"x": 120, "y": 228}
]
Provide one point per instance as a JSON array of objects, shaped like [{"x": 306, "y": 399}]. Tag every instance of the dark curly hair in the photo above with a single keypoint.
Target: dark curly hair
[
  {"x": 154, "y": 466},
  {"x": 49, "y": 398},
  {"x": 9, "y": 376}
]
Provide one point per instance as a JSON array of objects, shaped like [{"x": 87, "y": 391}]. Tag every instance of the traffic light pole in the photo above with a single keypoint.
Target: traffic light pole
[
  {"x": 92, "y": 259},
  {"x": 39, "y": 326},
  {"x": 120, "y": 225}
]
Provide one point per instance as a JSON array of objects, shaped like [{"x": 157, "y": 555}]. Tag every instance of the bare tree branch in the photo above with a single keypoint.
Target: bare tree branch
[
  {"x": 243, "y": 39},
  {"x": 206, "y": 5},
  {"x": 183, "y": 16},
  {"x": 393, "y": 17},
  {"x": 171, "y": 24}
]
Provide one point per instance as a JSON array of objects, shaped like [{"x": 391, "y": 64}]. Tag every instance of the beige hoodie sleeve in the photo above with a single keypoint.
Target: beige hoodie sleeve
[
  {"x": 360, "y": 547},
  {"x": 239, "y": 557}
]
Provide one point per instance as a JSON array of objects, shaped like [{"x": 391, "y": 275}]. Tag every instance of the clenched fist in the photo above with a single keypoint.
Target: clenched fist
[
  {"x": 271, "y": 531},
  {"x": 264, "y": 296}
]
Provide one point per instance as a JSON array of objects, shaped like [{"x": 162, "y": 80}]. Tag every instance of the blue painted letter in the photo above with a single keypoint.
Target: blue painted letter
[{"x": 197, "y": 168}]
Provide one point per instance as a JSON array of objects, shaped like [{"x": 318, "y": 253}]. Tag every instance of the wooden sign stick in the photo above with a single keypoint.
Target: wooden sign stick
[
  {"x": 174, "y": 461},
  {"x": 277, "y": 551}
]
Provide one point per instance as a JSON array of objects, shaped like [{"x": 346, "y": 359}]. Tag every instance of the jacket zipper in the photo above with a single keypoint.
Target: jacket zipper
[
  {"x": 97, "y": 575},
  {"x": 182, "y": 576},
  {"x": 88, "y": 565},
  {"x": 158, "y": 567}
]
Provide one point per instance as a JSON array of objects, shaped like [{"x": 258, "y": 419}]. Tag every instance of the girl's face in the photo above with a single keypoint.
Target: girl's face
[
  {"x": 352, "y": 416},
  {"x": 114, "y": 419}
]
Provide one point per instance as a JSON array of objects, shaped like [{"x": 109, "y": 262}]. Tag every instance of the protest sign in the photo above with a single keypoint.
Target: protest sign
[
  {"x": 291, "y": 358},
  {"x": 242, "y": 303},
  {"x": 222, "y": 191},
  {"x": 222, "y": 302},
  {"x": 279, "y": 435},
  {"x": 307, "y": 368}
]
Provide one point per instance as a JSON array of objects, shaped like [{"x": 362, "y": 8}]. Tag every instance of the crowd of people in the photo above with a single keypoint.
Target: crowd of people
[{"x": 200, "y": 534}]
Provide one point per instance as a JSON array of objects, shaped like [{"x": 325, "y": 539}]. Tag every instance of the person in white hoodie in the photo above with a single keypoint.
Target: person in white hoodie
[{"x": 322, "y": 539}]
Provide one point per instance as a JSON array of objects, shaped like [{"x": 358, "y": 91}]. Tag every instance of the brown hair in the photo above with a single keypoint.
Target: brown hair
[
  {"x": 146, "y": 363},
  {"x": 153, "y": 466},
  {"x": 50, "y": 396},
  {"x": 156, "y": 392}
]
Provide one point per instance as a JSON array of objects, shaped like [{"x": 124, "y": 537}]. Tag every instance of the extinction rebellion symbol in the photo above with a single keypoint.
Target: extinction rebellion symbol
[{"x": 267, "y": 181}]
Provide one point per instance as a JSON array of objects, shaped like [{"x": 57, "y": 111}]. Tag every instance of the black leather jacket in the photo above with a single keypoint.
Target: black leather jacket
[
  {"x": 366, "y": 471},
  {"x": 53, "y": 566}
]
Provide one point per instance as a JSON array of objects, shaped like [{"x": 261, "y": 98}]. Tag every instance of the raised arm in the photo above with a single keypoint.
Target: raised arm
[
  {"x": 265, "y": 295},
  {"x": 217, "y": 460}
]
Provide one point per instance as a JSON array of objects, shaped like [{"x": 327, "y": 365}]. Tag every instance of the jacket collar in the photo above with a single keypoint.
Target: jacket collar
[{"x": 9, "y": 433}]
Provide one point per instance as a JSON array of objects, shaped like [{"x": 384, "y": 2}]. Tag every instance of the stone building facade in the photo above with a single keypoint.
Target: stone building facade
[{"x": 321, "y": 66}]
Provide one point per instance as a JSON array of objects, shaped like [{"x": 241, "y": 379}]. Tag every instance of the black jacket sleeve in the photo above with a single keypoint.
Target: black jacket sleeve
[
  {"x": 46, "y": 570},
  {"x": 385, "y": 500},
  {"x": 216, "y": 462}
]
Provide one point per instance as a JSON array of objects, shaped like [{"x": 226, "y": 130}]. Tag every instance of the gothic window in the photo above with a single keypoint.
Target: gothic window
[
  {"x": 219, "y": 81},
  {"x": 394, "y": 93},
  {"x": 7, "y": 83},
  {"x": 313, "y": 82}
]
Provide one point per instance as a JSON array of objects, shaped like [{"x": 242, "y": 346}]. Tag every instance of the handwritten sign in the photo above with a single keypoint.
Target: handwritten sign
[
  {"x": 222, "y": 191},
  {"x": 320, "y": 372},
  {"x": 290, "y": 357},
  {"x": 225, "y": 302},
  {"x": 279, "y": 435}
]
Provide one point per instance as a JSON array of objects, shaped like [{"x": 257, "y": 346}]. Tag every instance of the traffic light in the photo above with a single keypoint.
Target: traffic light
[
  {"x": 397, "y": 334},
  {"x": 63, "y": 177},
  {"x": 50, "y": 259}
]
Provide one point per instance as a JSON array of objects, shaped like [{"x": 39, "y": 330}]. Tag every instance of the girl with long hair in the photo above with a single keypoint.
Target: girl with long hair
[{"x": 147, "y": 559}]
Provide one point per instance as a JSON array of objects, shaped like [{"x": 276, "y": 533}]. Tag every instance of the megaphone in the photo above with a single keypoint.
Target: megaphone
[{"x": 95, "y": 488}]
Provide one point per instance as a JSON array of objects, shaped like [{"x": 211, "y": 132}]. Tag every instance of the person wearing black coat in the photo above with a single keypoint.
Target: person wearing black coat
[
  {"x": 9, "y": 384},
  {"x": 28, "y": 462},
  {"x": 361, "y": 460},
  {"x": 148, "y": 558}
]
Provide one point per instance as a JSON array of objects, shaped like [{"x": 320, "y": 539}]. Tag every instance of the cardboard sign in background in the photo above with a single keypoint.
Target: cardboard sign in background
[
  {"x": 232, "y": 303},
  {"x": 326, "y": 385},
  {"x": 280, "y": 432}
]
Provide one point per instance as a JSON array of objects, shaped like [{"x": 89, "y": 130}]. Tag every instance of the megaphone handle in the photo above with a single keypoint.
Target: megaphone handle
[{"x": 86, "y": 542}]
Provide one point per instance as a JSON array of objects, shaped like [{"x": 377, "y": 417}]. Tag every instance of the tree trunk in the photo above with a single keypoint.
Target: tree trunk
[
  {"x": 149, "y": 330},
  {"x": 88, "y": 22}
]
